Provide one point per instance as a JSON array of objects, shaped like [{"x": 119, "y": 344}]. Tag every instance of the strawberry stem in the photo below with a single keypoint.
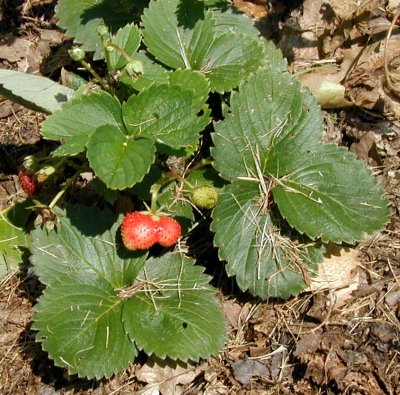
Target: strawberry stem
[{"x": 64, "y": 188}]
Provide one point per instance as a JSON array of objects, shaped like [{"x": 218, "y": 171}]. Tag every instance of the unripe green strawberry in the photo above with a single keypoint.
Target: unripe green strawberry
[
  {"x": 205, "y": 197},
  {"x": 134, "y": 68},
  {"x": 77, "y": 53},
  {"x": 45, "y": 173},
  {"x": 30, "y": 164},
  {"x": 138, "y": 231}
]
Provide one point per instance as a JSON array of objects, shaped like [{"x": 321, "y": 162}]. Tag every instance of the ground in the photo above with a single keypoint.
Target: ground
[{"x": 341, "y": 338}]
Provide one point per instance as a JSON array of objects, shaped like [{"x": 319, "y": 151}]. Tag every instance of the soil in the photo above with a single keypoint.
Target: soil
[{"x": 342, "y": 340}]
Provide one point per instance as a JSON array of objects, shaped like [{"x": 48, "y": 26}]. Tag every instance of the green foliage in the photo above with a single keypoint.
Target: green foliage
[
  {"x": 142, "y": 126},
  {"x": 103, "y": 303},
  {"x": 33, "y": 91},
  {"x": 264, "y": 261},
  {"x": 195, "y": 40},
  {"x": 13, "y": 237},
  {"x": 167, "y": 317},
  {"x": 128, "y": 39},
  {"x": 81, "y": 20}
]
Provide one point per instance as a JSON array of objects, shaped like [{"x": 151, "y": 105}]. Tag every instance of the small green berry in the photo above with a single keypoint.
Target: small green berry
[
  {"x": 102, "y": 30},
  {"x": 30, "y": 164},
  {"x": 45, "y": 173},
  {"x": 134, "y": 67},
  {"x": 205, "y": 197},
  {"x": 78, "y": 54}
]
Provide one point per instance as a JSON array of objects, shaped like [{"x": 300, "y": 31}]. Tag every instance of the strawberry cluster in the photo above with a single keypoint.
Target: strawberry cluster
[{"x": 141, "y": 230}]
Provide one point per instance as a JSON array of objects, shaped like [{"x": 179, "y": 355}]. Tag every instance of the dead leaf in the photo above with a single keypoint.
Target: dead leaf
[
  {"x": 245, "y": 369},
  {"x": 326, "y": 88},
  {"x": 254, "y": 9},
  {"x": 14, "y": 49},
  {"x": 338, "y": 274},
  {"x": 166, "y": 376},
  {"x": 232, "y": 311},
  {"x": 366, "y": 148}
]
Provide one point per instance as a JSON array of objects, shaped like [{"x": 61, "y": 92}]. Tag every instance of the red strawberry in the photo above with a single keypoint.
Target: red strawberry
[
  {"x": 28, "y": 183},
  {"x": 138, "y": 231},
  {"x": 168, "y": 231}
]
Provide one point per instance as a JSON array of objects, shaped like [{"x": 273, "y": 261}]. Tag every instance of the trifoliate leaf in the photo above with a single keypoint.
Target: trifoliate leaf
[
  {"x": 270, "y": 110},
  {"x": 128, "y": 40},
  {"x": 177, "y": 32},
  {"x": 166, "y": 115},
  {"x": 331, "y": 195},
  {"x": 33, "y": 91},
  {"x": 273, "y": 137},
  {"x": 79, "y": 325},
  {"x": 118, "y": 159},
  {"x": 78, "y": 318},
  {"x": 75, "y": 122},
  {"x": 83, "y": 244},
  {"x": 81, "y": 19},
  {"x": 189, "y": 39},
  {"x": 172, "y": 311},
  {"x": 263, "y": 259}
]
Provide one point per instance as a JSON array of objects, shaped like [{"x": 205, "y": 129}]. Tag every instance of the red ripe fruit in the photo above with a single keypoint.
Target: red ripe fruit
[
  {"x": 28, "y": 183},
  {"x": 168, "y": 231},
  {"x": 137, "y": 231}
]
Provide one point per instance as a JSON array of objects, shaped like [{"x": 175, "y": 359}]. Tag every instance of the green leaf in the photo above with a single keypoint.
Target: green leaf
[
  {"x": 331, "y": 195},
  {"x": 81, "y": 20},
  {"x": 79, "y": 325},
  {"x": 230, "y": 59},
  {"x": 78, "y": 119},
  {"x": 270, "y": 116},
  {"x": 79, "y": 315},
  {"x": 33, "y": 91},
  {"x": 263, "y": 259},
  {"x": 128, "y": 39},
  {"x": 153, "y": 74},
  {"x": 232, "y": 20},
  {"x": 171, "y": 201},
  {"x": 273, "y": 57},
  {"x": 119, "y": 160},
  {"x": 13, "y": 237},
  {"x": 189, "y": 39},
  {"x": 193, "y": 81},
  {"x": 83, "y": 245},
  {"x": 166, "y": 315},
  {"x": 166, "y": 115},
  {"x": 273, "y": 137},
  {"x": 177, "y": 32},
  {"x": 206, "y": 175}
]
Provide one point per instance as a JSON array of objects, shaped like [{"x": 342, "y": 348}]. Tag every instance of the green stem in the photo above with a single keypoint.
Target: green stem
[
  {"x": 203, "y": 163},
  {"x": 64, "y": 188},
  {"x": 90, "y": 69},
  {"x": 121, "y": 51}
]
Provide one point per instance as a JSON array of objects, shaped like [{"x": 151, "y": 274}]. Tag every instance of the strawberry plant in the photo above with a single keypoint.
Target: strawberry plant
[{"x": 186, "y": 109}]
